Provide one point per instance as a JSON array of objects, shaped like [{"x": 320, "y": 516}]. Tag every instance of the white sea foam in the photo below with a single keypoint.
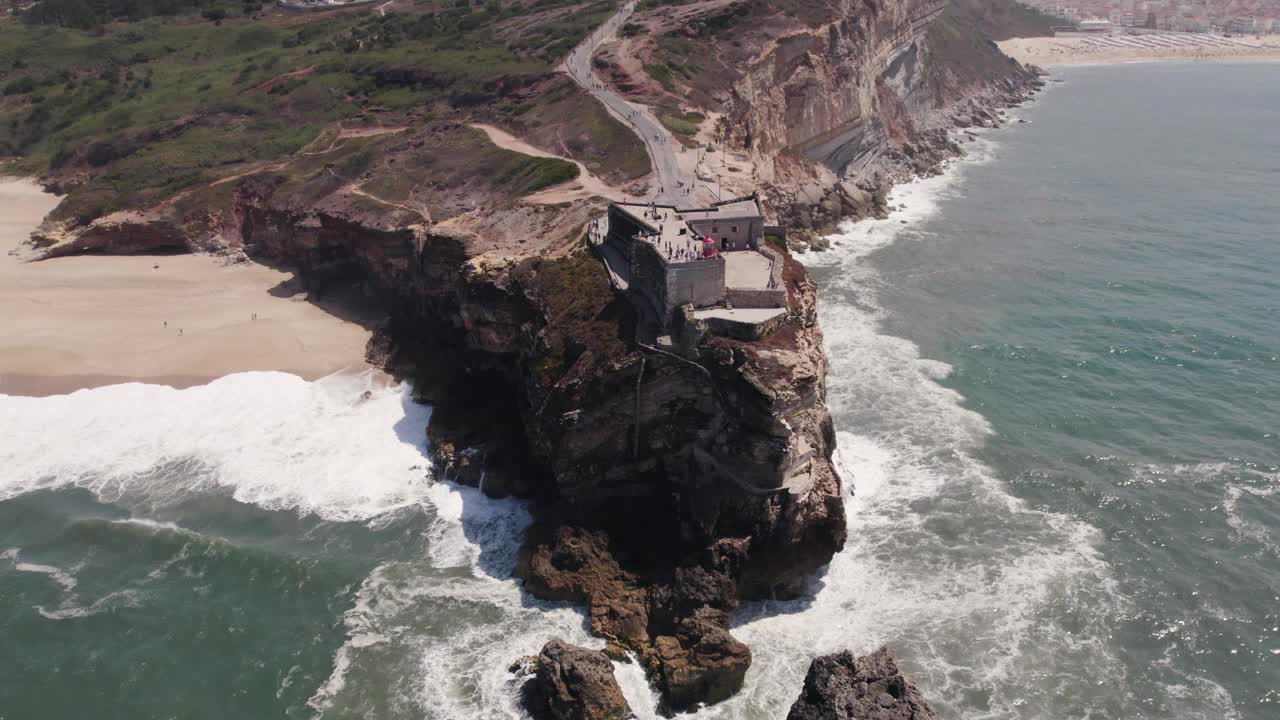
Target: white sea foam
[
  {"x": 909, "y": 203},
  {"x": 965, "y": 580},
  {"x": 445, "y": 639},
  {"x": 111, "y": 601},
  {"x": 1244, "y": 526},
  {"x": 266, "y": 438},
  {"x": 1239, "y": 483},
  {"x": 156, "y": 525},
  {"x": 640, "y": 696},
  {"x": 62, "y": 578}
]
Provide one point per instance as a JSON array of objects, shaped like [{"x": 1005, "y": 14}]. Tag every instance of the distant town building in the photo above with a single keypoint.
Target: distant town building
[{"x": 1240, "y": 25}]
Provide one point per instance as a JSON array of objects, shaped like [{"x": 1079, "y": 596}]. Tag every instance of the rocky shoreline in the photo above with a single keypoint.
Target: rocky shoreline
[
  {"x": 565, "y": 682},
  {"x": 698, "y": 661},
  {"x": 655, "y": 481},
  {"x": 924, "y": 155}
]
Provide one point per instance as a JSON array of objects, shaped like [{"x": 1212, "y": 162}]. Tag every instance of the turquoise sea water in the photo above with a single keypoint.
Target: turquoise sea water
[
  {"x": 1104, "y": 285},
  {"x": 1057, "y": 395}
]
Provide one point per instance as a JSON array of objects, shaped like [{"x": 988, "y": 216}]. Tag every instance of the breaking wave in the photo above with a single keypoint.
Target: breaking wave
[
  {"x": 998, "y": 609},
  {"x": 343, "y": 448}
]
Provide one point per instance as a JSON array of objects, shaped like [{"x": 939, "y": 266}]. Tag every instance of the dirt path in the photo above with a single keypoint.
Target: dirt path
[
  {"x": 584, "y": 186},
  {"x": 356, "y": 189}
]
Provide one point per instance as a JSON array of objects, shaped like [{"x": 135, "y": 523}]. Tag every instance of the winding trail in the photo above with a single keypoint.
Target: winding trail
[
  {"x": 657, "y": 139},
  {"x": 584, "y": 186}
]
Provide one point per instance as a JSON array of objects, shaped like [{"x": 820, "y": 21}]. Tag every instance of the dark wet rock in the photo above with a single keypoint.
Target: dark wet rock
[
  {"x": 572, "y": 683},
  {"x": 838, "y": 687},
  {"x": 575, "y": 564},
  {"x": 700, "y": 663}
]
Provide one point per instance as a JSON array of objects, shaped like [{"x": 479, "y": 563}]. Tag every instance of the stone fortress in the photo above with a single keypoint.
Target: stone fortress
[{"x": 709, "y": 266}]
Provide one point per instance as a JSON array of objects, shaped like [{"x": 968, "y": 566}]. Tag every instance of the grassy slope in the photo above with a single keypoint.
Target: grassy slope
[
  {"x": 608, "y": 149},
  {"x": 1004, "y": 19},
  {"x": 963, "y": 55},
  {"x": 145, "y": 109}
]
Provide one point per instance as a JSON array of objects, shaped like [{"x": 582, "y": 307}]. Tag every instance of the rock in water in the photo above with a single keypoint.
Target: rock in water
[
  {"x": 838, "y": 687},
  {"x": 573, "y": 683},
  {"x": 701, "y": 663}
]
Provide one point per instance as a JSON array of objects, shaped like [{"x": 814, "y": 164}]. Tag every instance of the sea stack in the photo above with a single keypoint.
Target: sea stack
[
  {"x": 838, "y": 687},
  {"x": 573, "y": 683}
]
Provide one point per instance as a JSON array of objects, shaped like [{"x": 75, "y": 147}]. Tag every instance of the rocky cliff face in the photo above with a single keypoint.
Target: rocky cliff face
[
  {"x": 820, "y": 89},
  {"x": 832, "y": 100},
  {"x": 665, "y": 488}
]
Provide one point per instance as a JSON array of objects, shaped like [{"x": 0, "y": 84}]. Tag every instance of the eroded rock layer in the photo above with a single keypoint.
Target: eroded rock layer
[
  {"x": 666, "y": 489},
  {"x": 830, "y": 100}
]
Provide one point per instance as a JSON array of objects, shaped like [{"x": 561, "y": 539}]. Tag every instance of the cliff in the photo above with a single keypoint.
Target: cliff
[
  {"x": 827, "y": 101},
  {"x": 665, "y": 489}
]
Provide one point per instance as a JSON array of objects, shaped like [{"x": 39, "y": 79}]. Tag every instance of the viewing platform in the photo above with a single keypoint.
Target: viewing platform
[{"x": 714, "y": 261}]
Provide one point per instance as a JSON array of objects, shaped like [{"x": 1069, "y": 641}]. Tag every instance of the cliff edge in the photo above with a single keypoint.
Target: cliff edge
[{"x": 666, "y": 487}]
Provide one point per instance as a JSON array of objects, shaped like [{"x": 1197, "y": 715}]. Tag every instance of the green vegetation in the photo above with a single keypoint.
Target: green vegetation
[
  {"x": 85, "y": 14},
  {"x": 662, "y": 73},
  {"x": 592, "y": 322},
  {"x": 524, "y": 174},
  {"x": 1004, "y": 19},
  {"x": 632, "y": 30},
  {"x": 395, "y": 169},
  {"x": 777, "y": 240},
  {"x": 189, "y": 91},
  {"x": 685, "y": 124},
  {"x": 651, "y": 4},
  {"x": 608, "y": 148}
]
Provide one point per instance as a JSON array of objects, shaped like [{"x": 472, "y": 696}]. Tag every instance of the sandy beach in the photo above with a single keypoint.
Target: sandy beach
[
  {"x": 83, "y": 322},
  {"x": 1108, "y": 49}
]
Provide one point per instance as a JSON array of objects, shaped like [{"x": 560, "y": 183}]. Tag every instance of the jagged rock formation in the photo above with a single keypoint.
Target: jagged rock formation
[
  {"x": 572, "y": 683},
  {"x": 678, "y": 628},
  {"x": 838, "y": 687},
  {"x": 665, "y": 489}
]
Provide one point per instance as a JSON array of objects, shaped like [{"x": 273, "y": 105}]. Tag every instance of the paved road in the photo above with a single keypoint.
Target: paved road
[{"x": 662, "y": 146}]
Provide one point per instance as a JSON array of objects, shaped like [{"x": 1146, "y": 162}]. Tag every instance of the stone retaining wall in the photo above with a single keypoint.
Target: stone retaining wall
[
  {"x": 751, "y": 298},
  {"x": 742, "y": 330},
  {"x": 699, "y": 283}
]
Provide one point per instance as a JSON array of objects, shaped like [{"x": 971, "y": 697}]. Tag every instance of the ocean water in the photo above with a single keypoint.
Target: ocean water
[{"x": 1055, "y": 380}]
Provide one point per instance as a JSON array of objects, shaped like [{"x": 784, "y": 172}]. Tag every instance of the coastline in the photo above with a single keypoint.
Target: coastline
[
  {"x": 178, "y": 320},
  {"x": 893, "y": 323},
  {"x": 1048, "y": 52}
]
